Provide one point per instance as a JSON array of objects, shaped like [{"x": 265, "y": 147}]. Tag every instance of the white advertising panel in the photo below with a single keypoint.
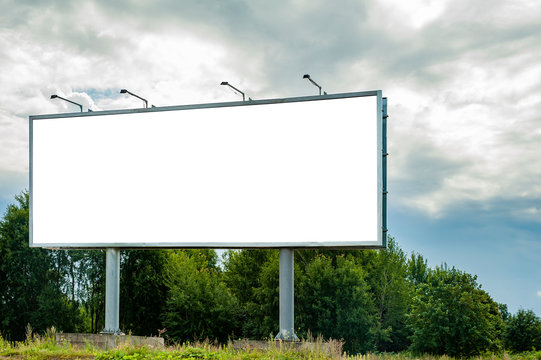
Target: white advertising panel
[{"x": 297, "y": 172}]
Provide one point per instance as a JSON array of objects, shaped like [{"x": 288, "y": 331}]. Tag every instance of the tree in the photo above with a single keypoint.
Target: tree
[
  {"x": 91, "y": 285},
  {"x": 253, "y": 278},
  {"x": 30, "y": 286},
  {"x": 143, "y": 290},
  {"x": 522, "y": 331},
  {"x": 199, "y": 305},
  {"x": 504, "y": 312},
  {"x": 451, "y": 315},
  {"x": 418, "y": 270},
  {"x": 74, "y": 274},
  {"x": 392, "y": 294},
  {"x": 332, "y": 300}
]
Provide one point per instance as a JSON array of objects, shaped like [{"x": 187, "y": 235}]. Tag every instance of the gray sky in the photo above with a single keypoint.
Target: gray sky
[{"x": 463, "y": 80}]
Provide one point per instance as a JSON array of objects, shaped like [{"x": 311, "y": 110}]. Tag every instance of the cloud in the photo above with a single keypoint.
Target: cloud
[
  {"x": 462, "y": 79},
  {"x": 539, "y": 293},
  {"x": 480, "y": 122},
  {"x": 12, "y": 184}
]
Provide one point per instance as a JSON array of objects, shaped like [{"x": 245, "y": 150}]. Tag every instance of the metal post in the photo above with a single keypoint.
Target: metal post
[
  {"x": 384, "y": 170},
  {"x": 112, "y": 291},
  {"x": 287, "y": 331}
]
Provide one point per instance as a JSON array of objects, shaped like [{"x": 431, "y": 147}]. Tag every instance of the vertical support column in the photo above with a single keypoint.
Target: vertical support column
[
  {"x": 384, "y": 171},
  {"x": 287, "y": 331},
  {"x": 112, "y": 291}
]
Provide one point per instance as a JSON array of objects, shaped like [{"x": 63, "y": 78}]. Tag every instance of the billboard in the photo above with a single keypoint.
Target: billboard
[{"x": 295, "y": 172}]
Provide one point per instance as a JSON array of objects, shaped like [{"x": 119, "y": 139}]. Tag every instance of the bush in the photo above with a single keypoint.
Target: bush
[
  {"x": 451, "y": 315},
  {"x": 523, "y": 331},
  {"x": 333, "y": 301},
  {"x": 199, "y": 305}
]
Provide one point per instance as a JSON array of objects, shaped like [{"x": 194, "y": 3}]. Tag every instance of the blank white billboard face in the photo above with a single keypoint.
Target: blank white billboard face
[{"x": 287, "y": 173}]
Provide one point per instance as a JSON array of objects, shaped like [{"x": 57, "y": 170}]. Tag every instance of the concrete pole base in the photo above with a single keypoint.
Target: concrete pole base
[
  {"x": 285, "y": 335},
  {"x": 117, "y": 332}
]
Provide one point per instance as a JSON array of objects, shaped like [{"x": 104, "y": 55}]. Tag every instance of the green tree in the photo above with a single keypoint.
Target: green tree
[
  {"x": 504, "y": 312},
  {"x": 418, "y": 269},
  {"x": 266, "y": 306},
  {"x": 30, "y": 285},
  {"x": 199, "y": 305},
  {"x": 253, "y": 278},
  {"x": 332, "y": 300},
  {"x": 143, "y": 290},
  {"x": 388, "y": 279},
  {"x": 522, "y": 331},
  {"x": 91, "y": 285},
  {"x": 451, "y": 315},
  {"x": 71, "y": 277}
]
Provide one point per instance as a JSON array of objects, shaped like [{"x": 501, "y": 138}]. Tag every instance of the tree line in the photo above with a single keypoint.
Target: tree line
[{"x": 382, "y": 301}]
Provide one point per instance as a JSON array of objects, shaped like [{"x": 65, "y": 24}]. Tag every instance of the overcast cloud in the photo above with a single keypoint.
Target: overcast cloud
[{"x": 463, "y": 80}]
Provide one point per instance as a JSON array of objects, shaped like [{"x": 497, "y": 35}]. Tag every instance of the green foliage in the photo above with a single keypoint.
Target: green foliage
[
  {"x": 187, "y": 352},
  {"x": 91, "y": 285},
  {"x": 392, "y": 294},
  {"x": 253, "y": 278},
  {"x": 30, "y": 287},
  {"x": 333, "y": 301},
  {"x": 143, "y": 284},
  {"x": 522, "y": 331},
  {"x": 41, "y": 287},
  {"x": 452, "y": 315},
  {"x": 267, "y": 296},
  {"x": 44, "y": 347},
  {"x": 374, "y": 300},
  {"x": 259, "y": 350},
  {"x": 199, "y": 305},
  {"x": 418, "y": 270},
  {"x": 504, "y": 312}
]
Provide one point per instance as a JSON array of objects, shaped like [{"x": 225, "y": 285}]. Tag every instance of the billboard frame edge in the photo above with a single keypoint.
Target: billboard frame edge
[{"x": 381, "y": 242}]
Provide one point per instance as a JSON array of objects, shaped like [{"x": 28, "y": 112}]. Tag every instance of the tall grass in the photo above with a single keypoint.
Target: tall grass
[
  {"x": 41, "y": 347},
  {"x": 45, "y": 347}
]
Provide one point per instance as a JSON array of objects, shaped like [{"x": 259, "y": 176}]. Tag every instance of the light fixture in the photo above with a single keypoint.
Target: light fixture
[
  {"x": 73, "y": 102},
  {"x": 235, "y": 89},
  {"x": 307, "y": 76},
  {"x": 124, "y": 91}
]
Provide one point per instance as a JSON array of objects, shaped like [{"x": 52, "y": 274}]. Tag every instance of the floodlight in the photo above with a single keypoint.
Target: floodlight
[
  {"x": 307, "y": 76},
  {"x": 124, "y": 91},
  {"x": 235, "y": 89},
  {"x": 54, "y": 96}
]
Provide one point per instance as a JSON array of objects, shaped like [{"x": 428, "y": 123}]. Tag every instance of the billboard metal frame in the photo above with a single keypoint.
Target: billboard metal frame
[{"x": 382, "y": 175}]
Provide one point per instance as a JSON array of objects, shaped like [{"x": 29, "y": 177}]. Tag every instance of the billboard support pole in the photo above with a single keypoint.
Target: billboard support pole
[
  {"x": 287, "y": 331},
  {"x": 384, "y": 170},
  {"x": 112, "y": 291}
]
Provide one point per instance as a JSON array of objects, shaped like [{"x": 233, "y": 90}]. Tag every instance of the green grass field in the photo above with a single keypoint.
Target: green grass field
[{"x": 43, "y": 348}]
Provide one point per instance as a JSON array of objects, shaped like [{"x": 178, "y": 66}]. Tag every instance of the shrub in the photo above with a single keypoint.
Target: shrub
[
  {"x": 451, "y": 315},
  {"x": 522, "y": 331}
]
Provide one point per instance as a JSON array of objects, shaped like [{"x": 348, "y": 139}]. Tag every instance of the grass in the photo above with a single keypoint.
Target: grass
[{"x": 46, "y": 348}]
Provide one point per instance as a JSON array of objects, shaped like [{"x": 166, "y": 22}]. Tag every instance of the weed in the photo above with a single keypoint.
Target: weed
[{"x": 45, "y": 347}]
